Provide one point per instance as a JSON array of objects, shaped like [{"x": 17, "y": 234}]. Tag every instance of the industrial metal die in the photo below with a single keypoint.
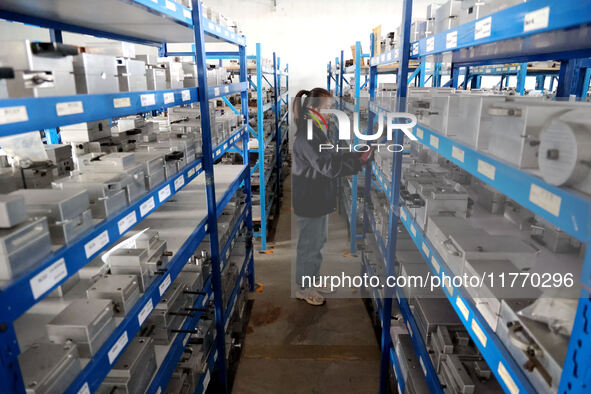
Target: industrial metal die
[
  {"x": 49, "y": 368},
  {"x": 441, "y": 200},
  {"x": 87, "y": 323},
  {"x": 516, "y": 129},
  {"x": 95, "y": 74},
  {"x": 155, "y": 73},
  {"x": 12, "y": 210},
  {"x": 153, "y": 166},
  {"x": 106, "y": 191},
  {"x": 133, "y": 371},
  {"x": 190, "y": 75},
  {"x": 22, "y": 246},
  {"x": 488, "y": 296},
  {"x": 168, "y": 315},
  {"x": 488, "y": 197},
  {"x": 412, "y": 372},
  {"x": 447, "y": 15},
  {"x": 565, "y": 149},
  {"x": 86, "y": 132},
  {"x": 67, "y": 212},
  {"x": 131, "y": 74},
  {"x": 41, "y": 69},
  {"x": 539, "y": 352},
  {"x": 174, "y": 73},
  {"x": 122, "y": 290},
  {"x": 61, "y": 156}
]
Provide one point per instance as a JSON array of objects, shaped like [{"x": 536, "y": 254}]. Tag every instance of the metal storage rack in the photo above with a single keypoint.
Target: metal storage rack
[
  {"x": 150, "y": 23},
  {"x": 555, "y": 25},
  {"x": 261, "y": 72}
]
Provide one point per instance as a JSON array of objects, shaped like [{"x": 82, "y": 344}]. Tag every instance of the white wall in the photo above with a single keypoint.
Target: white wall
[{"x": 308, "y": 34}]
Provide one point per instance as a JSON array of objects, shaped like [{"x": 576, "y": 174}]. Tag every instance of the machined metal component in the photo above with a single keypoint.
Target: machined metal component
[{"x": 122, "y": 290}]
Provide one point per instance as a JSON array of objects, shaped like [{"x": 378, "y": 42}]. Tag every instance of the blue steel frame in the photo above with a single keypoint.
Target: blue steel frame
[
  {"x": 17, "y": 295},
  {"x": 574, "y": 213}
]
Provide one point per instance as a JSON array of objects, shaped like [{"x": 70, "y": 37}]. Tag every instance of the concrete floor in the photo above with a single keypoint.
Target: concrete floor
[{"x": 293, "y": 347}]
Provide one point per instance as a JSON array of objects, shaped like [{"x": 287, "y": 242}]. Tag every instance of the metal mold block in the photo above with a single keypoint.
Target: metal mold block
[
  {"x": 127, "y": 261},
  {"x": 13, "y": 210},
  {"x": 122, "y": 290},
  {"x": 87, "y": 323},
  {"x": 49, "y": 368},
  {"x": 168, "y": 315},
  {"x": 131, "y": 75},
  {"x": 133, "y": 371},
  {"x": 61, "y": 156},
  {"x": 86, "y": 132},
  {"x": 95, "y": 74},
  {"x": 23, "y": 246}
]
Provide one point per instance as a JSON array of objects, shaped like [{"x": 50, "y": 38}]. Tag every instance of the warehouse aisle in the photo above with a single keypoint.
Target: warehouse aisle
[{"x": 294, "y": 347}]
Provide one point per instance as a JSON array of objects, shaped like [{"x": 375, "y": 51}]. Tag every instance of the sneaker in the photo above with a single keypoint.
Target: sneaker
[
  {"x": 324, "y": 290},
  {"x": 311, "y": 296}
]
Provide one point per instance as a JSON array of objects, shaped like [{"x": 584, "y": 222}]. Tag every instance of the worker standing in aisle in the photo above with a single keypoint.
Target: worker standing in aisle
[{"x": 314, "y": 190}]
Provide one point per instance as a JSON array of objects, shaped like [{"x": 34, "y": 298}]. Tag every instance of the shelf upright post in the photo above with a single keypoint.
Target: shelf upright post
[
  {"x": 373, "y": 79},
  {"x": 328, "y": 75},
  {"x": 401, "y": 94},
  {"x": 521, "y": 76},
  {"x": 336, "y": 77},
  {"x": 353, "y": 218},
  {"x": 422, "y": 72},
  {"x": 212, "y": 217},
  {"x": 342, "y": 74},
  {"x": 246, "y": 158},
  {"x": 277, "y": 110},
  {"x": 261, "y": 160}
]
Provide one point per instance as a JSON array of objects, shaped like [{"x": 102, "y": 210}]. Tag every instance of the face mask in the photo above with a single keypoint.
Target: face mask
[{"x": 318, "y": 119}]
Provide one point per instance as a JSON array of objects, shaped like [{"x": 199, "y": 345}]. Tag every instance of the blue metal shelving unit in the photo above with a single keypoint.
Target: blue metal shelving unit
[
  {"x": 175, "y": 24},
  {"x": 263, "y": 74},
  {"x": 533, "y": 31}
]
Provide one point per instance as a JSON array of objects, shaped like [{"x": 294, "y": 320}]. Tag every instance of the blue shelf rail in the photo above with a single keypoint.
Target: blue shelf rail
[
  {"x": 534, "y": 31},
  {"x": 176, "y": 24},
  {"x": 272, "y": 77}
]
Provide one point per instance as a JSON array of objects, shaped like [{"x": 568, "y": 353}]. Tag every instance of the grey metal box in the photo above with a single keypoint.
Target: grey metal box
[
  {"x": 61, "y": 156},
  {"x": 86, "y": 132},
  {"x": 95, "y": 74},
  {"x": 49, "y": 368},
  {"x": 87, "y": 323},
  {"x": 133, "y": 371},
  {"x": 132, "y": 75},
  {"x": 168, "y": 315},
  {"x": 122, "y": 290},
  {"x": 23, "y": 246},
  {"x": 412, "y": 372},
  {"x": 13, "y": 210}
]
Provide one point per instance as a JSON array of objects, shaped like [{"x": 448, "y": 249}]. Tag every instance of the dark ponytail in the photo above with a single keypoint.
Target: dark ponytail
[{"x": 307, "y": 98}]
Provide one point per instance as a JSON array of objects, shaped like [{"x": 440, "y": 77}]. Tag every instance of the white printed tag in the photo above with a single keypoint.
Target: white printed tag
[
  {"x": 69, "y": 108},
  {"x": 170, "y": 5},
  {"x": 536, "y": 20},
  {"x": 451, "y": 39},
  {"x": 121, "y": 102},
  {"x": 96, "y": 244},
  {"x": 186, "y": 95},
  {"x": 430, "y": 44},
  {"x": 168, "y": 97},
  {"x": 164, "y": 193},
  {"x": 434, "y": 141},
  {"x": 147, "y": 206},
  {"x": 164, "y": 285},
  {"x": 145, "y": 312},
  {"x": 435, "y": 264},
  {"x": 179, "y": 182},
  {"x": 125, "y": 223},
  {"x": 486, "y": 169},
  {"x": 463, "y": 309},
  {"x": 148, "y": 99},
  {"x": 457, "y": 153},
  {"x": 479, "y": 333},
  {"x": 48, "y": 278},
  {"x": 13, "y": 114},
  {"x": 545, "y": 199},
  {"x": 118, "y": 347},
  {"x": 482, "y": 28}
]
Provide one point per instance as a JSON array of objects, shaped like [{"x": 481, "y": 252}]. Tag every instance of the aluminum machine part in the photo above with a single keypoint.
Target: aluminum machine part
[
  {"x": 153, "y": 166},
  {"x": 49, "y": 368},
  {"x": 133, "y": 371},
  {"x": 41, "y": 69},
  {"x": 13, "y": 210},
  {"x": 23, "y": 246},
  {"x": 87, "y": 323},
  {"x": 565, "y": 151},
  {"x": 168, "y": 315},
  {"x": 122, "y": 290},
  {"x": 86, "y": 132},
  {"x": 67, "y": 212},
  {"x": 131, "y": 74},
  {"x": 174, "y": 73},
  {"x": 61, "y": 156},
  {"x": 95, "y": 74},
  {"x": 412, "y": 372}
]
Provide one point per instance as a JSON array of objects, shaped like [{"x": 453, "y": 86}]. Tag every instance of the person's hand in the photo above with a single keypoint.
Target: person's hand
[{"x": 366, "y": 156}]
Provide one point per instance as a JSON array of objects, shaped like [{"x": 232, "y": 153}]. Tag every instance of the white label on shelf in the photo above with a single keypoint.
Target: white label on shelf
[
  {"x": 187, "y": 14},
  {"x": 96, "y": 244},
  {"x": 415, "y": 48},
  {"x": 170, "y": 5},
  {"x": 121, "y": 102},
  {"x": 47, "y": 278},
  {"x": 396, "y": 53},
  {"x": 218, "y": 29},
  {"x": 159, "y": 391},
  {"x": 147, "y": 206},
  {"x": 413, "y": 230},
  {"x": 449, "y": 288},
  {"x": 198, "y": 168},
  {"x": 457, "y": 153},
  {"x": 482, "y": 28},
  {"x": 185, "y": 340},
  {"x": 164, "y": 285},
  {"x": 423, "y": 366},
  {"x": 84, "y": 389},
  {"x": 186, "y": 95},
  {"x": 216, "y": 91},
  {"x": 398, "y": 383},
  {"x": 205, "y": 299},
  {"x": 148, "y": 99},
  {"x": 206, "y": 380},
  {"x": 226, "y": 89},
  {"x": 13, "y": 114},
  {"x": 118, "y": 347},
  {"x": 434, "y": 141},
  {"x": 451, "y": 39},
  {"x": 426, "y": 249},
  {"x": 419, "y": 133},
  {"x": 191, "y": 172},
  {"x": 389, "y": 56},
  {"x": 382, "y": 57},
  {"x": 545, "y": 199},
  {"x": 409, "y": 329},
  {"x": 211, "y": 25},
  {"x": 507, "y": 379},
  {"x": 233, "y": 35},
  {"x": 226, "y": 145},
  {"x": 145, "y": 312},
  {"x": 402, "y": 214},
  {"x": 463, "y": 309},
  {"x": 128, "y": 221},
  {"x": 226, "y": 33},
  {"x": 435, "y": 264},
  {"x": 430, "y": 44},
  {"x": 179, "y": 182},
  {"x": 536, "y": 20},
  {"x": 69, "y": 108},
  {"x": 486, "y": 169},
  {"x": 164, "y": 193},
  {"x": 168, "y": 97},
  {"x": 479, "y": 333}
]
